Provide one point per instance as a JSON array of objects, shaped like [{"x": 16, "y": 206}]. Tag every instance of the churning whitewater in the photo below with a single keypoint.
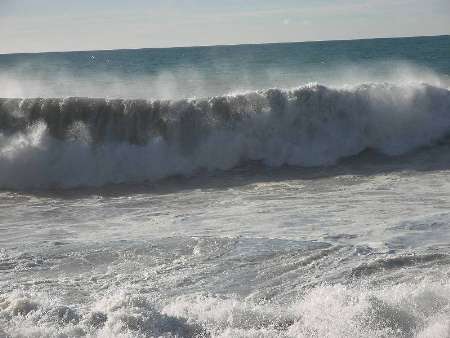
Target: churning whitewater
[{"x": 70, "y": 142}]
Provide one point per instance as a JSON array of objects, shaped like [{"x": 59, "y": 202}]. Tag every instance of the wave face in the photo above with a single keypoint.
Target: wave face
[{"x": 70, "y": 142}]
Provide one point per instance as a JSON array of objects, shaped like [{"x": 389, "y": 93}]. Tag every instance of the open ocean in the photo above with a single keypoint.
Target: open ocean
[{"x": 275, "y": 190}]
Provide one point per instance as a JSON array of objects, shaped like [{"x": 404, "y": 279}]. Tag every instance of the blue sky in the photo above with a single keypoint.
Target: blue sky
[{"x": 54, "y": 25}]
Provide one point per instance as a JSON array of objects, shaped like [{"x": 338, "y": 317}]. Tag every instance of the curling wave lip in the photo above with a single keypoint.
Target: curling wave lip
[{"x": 69, "y": 142}]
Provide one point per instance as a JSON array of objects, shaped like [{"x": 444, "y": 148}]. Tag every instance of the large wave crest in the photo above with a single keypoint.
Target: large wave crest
[{"x": 70, "y": 142}]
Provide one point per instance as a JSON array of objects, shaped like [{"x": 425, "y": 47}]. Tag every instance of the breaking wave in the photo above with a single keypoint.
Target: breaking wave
[{"x": 71, "y": 142}]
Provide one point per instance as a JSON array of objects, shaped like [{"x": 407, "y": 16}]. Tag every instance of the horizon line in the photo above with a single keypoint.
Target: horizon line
[{"x": 224, "y": 45}]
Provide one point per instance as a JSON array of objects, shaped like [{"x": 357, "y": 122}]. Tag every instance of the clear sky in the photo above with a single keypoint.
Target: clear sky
[{"x": 57, "y": 25}]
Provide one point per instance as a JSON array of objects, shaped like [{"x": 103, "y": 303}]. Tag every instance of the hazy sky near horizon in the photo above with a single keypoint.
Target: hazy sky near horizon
[{"x": 59, "y": 25}]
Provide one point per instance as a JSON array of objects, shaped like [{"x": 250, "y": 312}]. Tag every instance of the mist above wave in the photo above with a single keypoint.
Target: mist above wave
[
  {"x": 68, "y": 142},
  {"x": 45, "y": 79}
]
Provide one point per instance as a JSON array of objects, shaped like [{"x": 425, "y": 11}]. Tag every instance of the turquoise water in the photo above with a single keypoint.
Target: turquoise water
[{"x": 206, "y": 71}]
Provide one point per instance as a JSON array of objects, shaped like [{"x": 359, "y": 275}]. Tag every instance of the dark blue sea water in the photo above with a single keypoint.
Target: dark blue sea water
[{"x": 278, "y": 190}]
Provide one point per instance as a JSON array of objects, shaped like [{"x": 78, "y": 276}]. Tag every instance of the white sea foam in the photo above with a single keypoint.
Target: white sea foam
[
  {"x": 404, "y": 310},
  {"x": 80, "y": 145}
]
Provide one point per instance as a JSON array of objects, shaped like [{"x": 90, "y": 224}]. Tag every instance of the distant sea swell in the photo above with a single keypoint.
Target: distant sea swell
[{"x": 71, "y": 142}]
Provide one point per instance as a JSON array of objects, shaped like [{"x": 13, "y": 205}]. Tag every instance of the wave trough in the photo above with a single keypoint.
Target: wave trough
[{"x": 71, "y": 142}]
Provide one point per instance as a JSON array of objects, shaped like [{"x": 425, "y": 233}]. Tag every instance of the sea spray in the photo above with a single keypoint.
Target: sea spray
[{"x": 69, "y": 142}]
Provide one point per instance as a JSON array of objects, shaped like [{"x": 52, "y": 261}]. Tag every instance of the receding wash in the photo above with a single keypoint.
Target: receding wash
[{"x": 272, "y": 190}]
